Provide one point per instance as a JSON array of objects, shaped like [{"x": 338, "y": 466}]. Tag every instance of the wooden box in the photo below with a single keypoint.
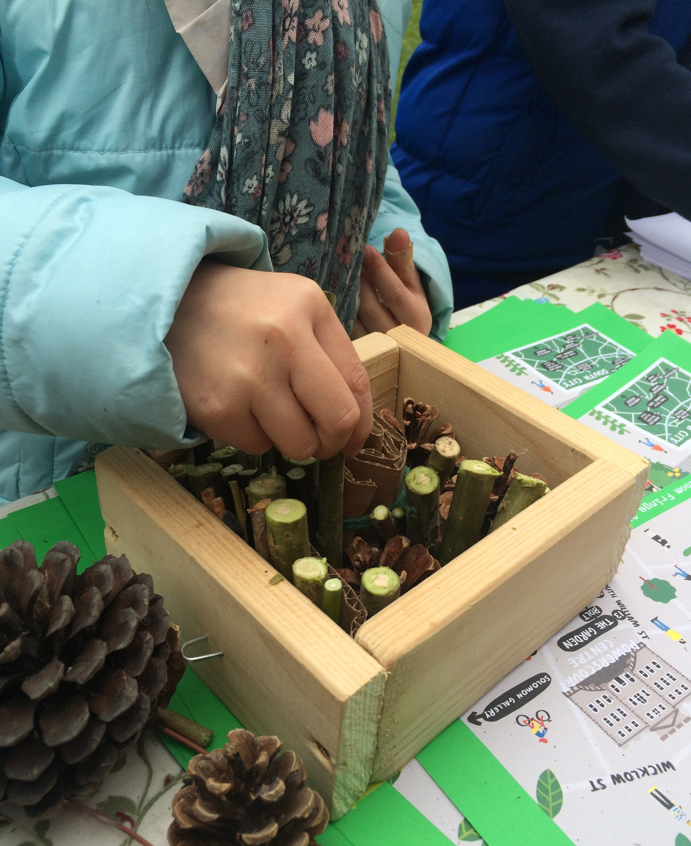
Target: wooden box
[{"x": 358, "y": 710}]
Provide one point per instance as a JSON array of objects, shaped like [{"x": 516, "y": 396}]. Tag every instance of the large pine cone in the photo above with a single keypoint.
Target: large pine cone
[
  {"x": 249, "y": 794},
  {"x": 84, "y": 661}
]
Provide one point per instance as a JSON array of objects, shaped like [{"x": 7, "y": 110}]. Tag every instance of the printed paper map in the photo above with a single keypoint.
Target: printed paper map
[
  {"x": 597, "y": 724},
  {"x": 561, "y": 367},
  {"x": 651, "y": 414}
]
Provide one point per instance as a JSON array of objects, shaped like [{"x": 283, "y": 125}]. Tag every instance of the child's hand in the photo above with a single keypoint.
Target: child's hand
[
  {"x": 262, "y": 359},
  {"x": 391, "y": 292}
]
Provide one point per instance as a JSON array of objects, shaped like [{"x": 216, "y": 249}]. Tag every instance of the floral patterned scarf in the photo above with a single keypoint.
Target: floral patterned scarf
[{"x": 300, "y": 143}]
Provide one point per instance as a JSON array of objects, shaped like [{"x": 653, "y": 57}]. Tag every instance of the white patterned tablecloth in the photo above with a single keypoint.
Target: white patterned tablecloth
[{"x": 653, "y": 299}]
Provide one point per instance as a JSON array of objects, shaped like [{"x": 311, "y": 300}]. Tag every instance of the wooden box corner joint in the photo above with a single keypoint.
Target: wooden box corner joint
[{"x": 358, "y": 710}]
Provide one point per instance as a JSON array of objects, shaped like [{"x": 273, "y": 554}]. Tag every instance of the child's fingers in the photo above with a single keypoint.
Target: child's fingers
[
  {"x": 359, "y": 330},
  {"x": 373, "y": 315},
  {"x": 402, "y": 303},
  {"x": 245, "y": 430},
  {"x": 348, "y": 382},
  {"x": 398, "y": 253}
]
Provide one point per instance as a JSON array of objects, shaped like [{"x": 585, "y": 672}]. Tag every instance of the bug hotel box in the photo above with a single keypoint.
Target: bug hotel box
[{"x": 357, "y": 710}]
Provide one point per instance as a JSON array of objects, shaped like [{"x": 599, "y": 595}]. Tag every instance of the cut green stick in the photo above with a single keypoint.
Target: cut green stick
[
  {"x": 398, "y": 515},
  {"x": 266, "y": 486},
  {"x": 331, "y": 601},
  {"x": 309, "y": 575},
  {"x": 245, "y": 476},
  {"x": 522, "y": 492},
  {"x": 383, "y": 523},
  {"x": 443, "y": 457},
  {"x": 225, "y": 455},
  {"x": 422, "y": 497},
  {"x": 310, "y": 488},
  {"x": 187, "y": 728},
  {"x": 296, "y": 483},
  {"x": 287, "y": 534},
  {"x": 227, "y": 474},
  {"x": 331, "y": 474},
  {"x": 468, "y": 506},
  {"x": 204, "y": 476},
  {"x": 179, "y": 473},
  {"x": 249, "y": 460},
  {"x": 379, "y": 587},
  {"x": 230, "y": 471},
  {"x": 299, "y": 462}
]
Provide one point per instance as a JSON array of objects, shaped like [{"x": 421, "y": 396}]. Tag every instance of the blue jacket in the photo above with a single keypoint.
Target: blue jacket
[
  {"x": 103, "y": 117},
  {"x": 501, "y": 175}
]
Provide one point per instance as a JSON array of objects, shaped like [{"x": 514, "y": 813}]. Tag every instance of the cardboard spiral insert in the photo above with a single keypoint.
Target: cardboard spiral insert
[{"x": 358, "y": 710}]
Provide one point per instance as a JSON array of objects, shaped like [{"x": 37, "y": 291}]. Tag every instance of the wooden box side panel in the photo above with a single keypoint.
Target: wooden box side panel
[
  {"x": 379, "y": 354},
  {"x": 489, "y": 609},
  {"x": 286, "y": 669},
  {"x": 492, "y": 417}
]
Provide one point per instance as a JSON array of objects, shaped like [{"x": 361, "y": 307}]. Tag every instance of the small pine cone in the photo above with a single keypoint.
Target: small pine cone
[
  {"x": 85, "y": 660},
  {"x": 248, "y": 794}
]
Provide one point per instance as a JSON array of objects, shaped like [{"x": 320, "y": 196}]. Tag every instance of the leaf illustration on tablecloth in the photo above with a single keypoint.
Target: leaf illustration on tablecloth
[
  {"x": 121, "y": 807},
  {"x": 549, "y": 794},
  {"x": 682, "y": 840},
  {"x": 467, "y": 832}
]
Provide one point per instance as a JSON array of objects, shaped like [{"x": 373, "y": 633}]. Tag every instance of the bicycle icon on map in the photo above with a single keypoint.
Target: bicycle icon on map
[{"x": 536, "y": 724}]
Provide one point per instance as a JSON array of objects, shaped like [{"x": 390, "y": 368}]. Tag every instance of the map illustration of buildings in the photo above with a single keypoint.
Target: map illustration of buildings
[
  {"x": 575, "y": 359},
  {"x": 640, "y": 691},
  {"x": 658, "y": 402}
]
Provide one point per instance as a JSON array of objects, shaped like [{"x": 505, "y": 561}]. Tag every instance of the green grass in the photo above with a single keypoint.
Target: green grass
[{"x": 411, "y": 39}]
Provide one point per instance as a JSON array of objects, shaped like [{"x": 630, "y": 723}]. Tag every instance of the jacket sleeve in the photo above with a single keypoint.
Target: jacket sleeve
[
  {"x": 90, "y": 278},
  {"x": 397, "y": 207},
  {"x": 619, "y": 85}
]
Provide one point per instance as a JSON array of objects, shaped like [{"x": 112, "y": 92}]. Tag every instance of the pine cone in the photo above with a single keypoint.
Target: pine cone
[
  {"x": 248, "y": 794},
  {"x": 84, "y": 661}
]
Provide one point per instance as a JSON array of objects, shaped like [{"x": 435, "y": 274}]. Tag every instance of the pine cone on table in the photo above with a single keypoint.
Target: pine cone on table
[
  {"x": 247, "y": 793},
  {"x": 85, "y": 660}
]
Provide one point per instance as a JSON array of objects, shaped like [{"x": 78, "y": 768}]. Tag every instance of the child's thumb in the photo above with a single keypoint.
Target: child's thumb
[{"x": 398, "y": 252}]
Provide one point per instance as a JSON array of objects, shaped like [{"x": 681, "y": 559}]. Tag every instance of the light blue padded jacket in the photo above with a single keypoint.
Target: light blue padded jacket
[{"x": 103, "y": 115}]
